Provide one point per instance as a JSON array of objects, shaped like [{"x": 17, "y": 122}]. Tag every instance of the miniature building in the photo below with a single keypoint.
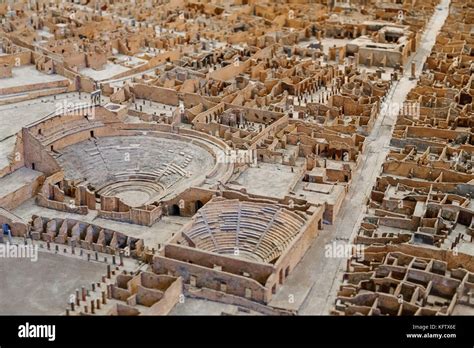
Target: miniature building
[
  {"x": 226, "y": 151},
  {"x": 239, "y": 247}
]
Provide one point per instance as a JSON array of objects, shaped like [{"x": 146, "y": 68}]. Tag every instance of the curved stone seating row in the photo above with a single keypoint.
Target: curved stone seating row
[
  {"x": 105, "y": 160},
  {"x": 138, "y": 184},
  {"x": 135, "y": 175},
  {"x": 256, "y": 231}
]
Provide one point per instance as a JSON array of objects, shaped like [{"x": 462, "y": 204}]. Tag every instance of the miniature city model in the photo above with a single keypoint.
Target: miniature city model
[{"x": 237, "y": 157}]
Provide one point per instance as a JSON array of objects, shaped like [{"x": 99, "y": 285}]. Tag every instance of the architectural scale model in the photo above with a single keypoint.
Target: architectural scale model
[{"x": 237, "y": 157}]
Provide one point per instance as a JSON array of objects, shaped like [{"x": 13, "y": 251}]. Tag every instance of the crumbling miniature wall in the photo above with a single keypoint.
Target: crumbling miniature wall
[
  {"x": 149, "y": 293},
  {"x": 146, "y": 215},
  {"x": 84, "y": 235},
  {"x": 156, "y": 94},
  {"x": 18, "y": 227},
  {"x": 17, "y": 197},
  {"x": 405, "y": 281}
]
